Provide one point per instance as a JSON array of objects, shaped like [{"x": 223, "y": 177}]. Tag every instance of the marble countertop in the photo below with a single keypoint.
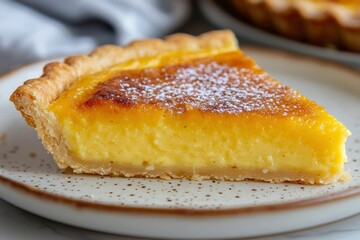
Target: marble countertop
[{"x": 17, "y": 224}]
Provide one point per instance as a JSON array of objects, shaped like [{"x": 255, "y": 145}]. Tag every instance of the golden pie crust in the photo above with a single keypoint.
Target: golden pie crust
[
  {"x": 329, "y": 23},
  {"x": 35, "y": 96}
]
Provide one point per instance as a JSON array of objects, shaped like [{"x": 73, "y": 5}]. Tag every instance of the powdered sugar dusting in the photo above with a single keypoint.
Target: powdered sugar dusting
[{"x": 222, "y": 84}]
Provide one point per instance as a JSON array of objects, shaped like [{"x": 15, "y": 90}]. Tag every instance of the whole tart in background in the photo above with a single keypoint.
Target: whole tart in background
[{"x": 329, "y": 23}]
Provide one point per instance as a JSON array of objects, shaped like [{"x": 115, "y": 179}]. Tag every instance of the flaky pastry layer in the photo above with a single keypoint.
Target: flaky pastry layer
[{"x": 206, "y": 173}]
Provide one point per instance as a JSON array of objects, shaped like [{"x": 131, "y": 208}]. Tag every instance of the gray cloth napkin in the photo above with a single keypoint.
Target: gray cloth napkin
[{"x": 41, "y": 29}]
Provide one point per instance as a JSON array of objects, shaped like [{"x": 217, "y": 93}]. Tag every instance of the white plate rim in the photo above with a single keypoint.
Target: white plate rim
[{"x": 290, "y": 205}]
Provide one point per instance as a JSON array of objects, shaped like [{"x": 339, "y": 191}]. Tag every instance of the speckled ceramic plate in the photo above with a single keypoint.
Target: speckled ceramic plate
[
  {"x": 184, "y": 209},
  {"x": 219, "y": 16}
]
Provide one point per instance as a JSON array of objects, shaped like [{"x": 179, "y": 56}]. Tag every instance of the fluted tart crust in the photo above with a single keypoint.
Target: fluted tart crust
[{"x": 329, "y": 23}]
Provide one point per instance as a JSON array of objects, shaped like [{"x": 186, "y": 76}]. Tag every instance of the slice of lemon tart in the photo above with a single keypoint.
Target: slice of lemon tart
[{"x": 183, "y": 107}]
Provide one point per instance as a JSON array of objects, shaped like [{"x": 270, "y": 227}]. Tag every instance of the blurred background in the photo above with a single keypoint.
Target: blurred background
[{"x": 32, "y": 30}]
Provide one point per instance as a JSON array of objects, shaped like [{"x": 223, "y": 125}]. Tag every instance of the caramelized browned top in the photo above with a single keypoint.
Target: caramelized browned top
[{"x": 227, "y": 83}]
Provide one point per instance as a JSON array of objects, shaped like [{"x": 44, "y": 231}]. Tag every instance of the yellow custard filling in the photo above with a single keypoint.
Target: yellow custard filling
[{"x": 146, "y": 134}]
